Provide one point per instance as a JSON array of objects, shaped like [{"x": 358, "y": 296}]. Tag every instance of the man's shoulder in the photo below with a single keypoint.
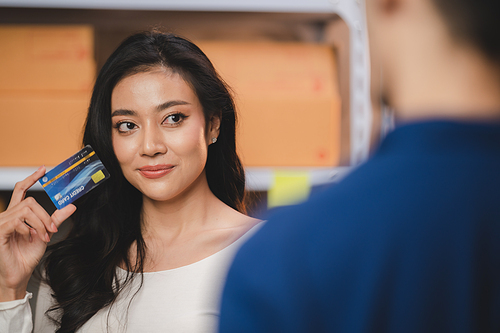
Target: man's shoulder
[
  {"x": 388, "y": 193},
  {"x": 328, "y": 209}
]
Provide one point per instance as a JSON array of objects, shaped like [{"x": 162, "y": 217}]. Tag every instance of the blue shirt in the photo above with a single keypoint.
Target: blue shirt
[{"x": 408, "y": 242}]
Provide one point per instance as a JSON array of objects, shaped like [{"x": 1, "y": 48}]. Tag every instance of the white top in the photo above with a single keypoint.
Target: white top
[{"x": 184, "y": 299}]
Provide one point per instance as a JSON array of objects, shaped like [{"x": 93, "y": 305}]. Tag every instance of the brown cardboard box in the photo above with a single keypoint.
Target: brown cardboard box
[
  {"x": 46, "y": 58},
  {"x": 46, "y": 77},
  {"x": 287, "y": 98},
  {"x": 41, "y": 128},
  {"x": 289, "y": 132}
]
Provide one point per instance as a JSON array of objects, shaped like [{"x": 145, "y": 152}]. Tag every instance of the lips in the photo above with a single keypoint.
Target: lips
[{"x": 156, "y": 171}]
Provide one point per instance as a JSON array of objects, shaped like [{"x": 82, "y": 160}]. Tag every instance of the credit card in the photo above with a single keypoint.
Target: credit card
[{"x": 74, "y": 177}]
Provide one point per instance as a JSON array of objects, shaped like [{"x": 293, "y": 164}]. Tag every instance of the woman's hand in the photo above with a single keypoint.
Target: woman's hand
[{"x": 25, "y": 230}]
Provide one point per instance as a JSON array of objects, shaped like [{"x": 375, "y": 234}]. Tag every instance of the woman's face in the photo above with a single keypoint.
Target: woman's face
[{"x": 159, "y": 134}]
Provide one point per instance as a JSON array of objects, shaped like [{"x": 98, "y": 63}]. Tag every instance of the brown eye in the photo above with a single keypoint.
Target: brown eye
[
  {"x": 174, "y": 119},
  {"x": 126, "y": 126}
]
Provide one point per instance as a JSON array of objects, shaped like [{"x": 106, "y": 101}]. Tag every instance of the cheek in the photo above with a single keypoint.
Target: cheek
[
  {"x": 191, "y": 143},
  {"x": 123, "y": 149}
]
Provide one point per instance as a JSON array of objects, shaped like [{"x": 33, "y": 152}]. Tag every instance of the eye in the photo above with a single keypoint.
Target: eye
[
  {"x": 125, "y": 126},
  {"x": 174, "y": 119}
]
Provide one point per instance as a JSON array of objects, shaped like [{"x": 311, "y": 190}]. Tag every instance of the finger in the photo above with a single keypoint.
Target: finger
[
  {"x": 31, "y": 234},
  {"x": 21, "y": 187},
  {"x": 62, "y": 214},
  {"x": 24, "y": 229},
  {"x": 41, "y": 213},
  {"x": 29, "y": 218},
  {"x": 16, "y": 222}
]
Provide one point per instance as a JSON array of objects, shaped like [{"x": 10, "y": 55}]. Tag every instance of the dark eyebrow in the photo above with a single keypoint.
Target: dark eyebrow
[
  {"x": 166, "y": 105},
  {"x": 169, "y": 104},
  {"x": 122, "y": 112}
]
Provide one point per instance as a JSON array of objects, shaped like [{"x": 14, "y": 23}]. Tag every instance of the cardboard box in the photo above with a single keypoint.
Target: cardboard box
[
  {"x": 46, "y": 77},
  {"x": 289, "y": 132},
  {"x": 46, "y": 58},
  {"x": 287, "y": 99},
  {"x": 41, "y": 128}
]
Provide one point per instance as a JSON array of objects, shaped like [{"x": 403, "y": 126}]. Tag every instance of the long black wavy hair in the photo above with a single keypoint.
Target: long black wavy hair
[{"x": 81, "y": 270}]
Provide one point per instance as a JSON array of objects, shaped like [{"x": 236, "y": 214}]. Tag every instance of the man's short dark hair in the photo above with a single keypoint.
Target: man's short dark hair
[{"x": 475, "y": 22}]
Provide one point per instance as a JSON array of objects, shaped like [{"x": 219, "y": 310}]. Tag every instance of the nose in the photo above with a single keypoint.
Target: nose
[{"x": 153, "y": 142}]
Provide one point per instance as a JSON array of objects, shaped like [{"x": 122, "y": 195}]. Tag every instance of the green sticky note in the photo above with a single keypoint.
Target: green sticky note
[{"x": 288, "y": 188}]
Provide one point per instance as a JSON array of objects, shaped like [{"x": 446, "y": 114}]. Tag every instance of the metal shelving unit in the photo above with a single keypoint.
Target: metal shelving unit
[{"x": 303, "y": 6}]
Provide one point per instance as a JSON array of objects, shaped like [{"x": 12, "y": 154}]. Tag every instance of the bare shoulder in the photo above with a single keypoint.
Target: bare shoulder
[
  {"x": 232, "y": 225},
  {"x": 241, "y": 221}
]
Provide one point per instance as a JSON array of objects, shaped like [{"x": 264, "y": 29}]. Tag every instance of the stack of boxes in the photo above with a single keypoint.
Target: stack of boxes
[
  {"x": 288, "y": 101},
  {"x": 287, "y": 98},
  {"x": 46, "y": 77},
  {"x": 289, "y": 109},
  {"x": 286, "y": 94}
]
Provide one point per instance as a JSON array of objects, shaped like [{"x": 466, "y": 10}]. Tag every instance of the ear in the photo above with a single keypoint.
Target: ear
[
  {"x": 389, "y": 5},
  {"x": 214, "y": 126},
  {"x": 384, "y": 7}
]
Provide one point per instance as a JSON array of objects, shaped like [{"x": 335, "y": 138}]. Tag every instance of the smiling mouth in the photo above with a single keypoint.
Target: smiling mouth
[{"x": 155, "y": 171}]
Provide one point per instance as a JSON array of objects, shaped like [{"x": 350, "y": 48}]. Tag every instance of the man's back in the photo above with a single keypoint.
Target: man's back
[{"x": 407, "y": 243}]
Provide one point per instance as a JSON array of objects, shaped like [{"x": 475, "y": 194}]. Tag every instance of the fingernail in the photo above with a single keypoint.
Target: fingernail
[
  {"x": 54, "y": 228},
  {"x": 47, "y": 238},
  {"x": 40, "y": 168}
]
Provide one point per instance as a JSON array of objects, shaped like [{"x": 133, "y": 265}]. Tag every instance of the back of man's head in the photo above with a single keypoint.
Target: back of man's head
[
  {"x": 475, "y": 22},
  {"x": 438, "y": 58}
]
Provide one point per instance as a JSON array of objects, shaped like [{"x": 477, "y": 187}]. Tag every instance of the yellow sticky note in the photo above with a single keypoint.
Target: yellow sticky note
[
  {"x": 98, "y": 176},
  {"x": 289, "y": 188}
]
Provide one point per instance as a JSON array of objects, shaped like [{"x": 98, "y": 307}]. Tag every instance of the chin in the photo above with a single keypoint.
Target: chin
[
  {"x": 159, "y": 196},
  {"x": 157, "y": 193}
]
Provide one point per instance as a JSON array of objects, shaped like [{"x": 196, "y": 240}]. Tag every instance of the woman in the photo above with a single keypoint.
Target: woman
[{"x": 150, "y": 247}]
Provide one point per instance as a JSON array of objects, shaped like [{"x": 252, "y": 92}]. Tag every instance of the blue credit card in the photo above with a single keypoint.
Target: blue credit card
[{"x": 74, "y": 177}]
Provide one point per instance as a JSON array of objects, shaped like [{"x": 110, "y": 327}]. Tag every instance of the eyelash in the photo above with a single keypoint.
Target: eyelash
[
  {"x": 182, "y": 116},
  {"x": 179, "y": 114},
  {"x": 119, "y": 124}
]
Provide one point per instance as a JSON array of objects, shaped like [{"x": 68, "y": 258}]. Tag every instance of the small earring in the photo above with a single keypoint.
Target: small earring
[{"x": 214, "y": 140}]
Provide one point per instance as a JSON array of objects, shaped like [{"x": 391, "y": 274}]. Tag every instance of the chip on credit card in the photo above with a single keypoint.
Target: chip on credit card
[{"x": 74, "y": 177}]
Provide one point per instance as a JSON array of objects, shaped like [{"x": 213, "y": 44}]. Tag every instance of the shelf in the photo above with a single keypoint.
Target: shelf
[
  {"x": 261, "y": 179},
  {"x": 258, "y": 179},
  {"x": 9, "y": 176},
  {"x": 309, "y": 6}
]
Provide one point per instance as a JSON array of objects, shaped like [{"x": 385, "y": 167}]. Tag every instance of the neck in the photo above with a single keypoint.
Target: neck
[
  {"x": 429, "y": 73},
  {"x": 462, "y": 86},
  {"x": 186, "y": 212}
]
